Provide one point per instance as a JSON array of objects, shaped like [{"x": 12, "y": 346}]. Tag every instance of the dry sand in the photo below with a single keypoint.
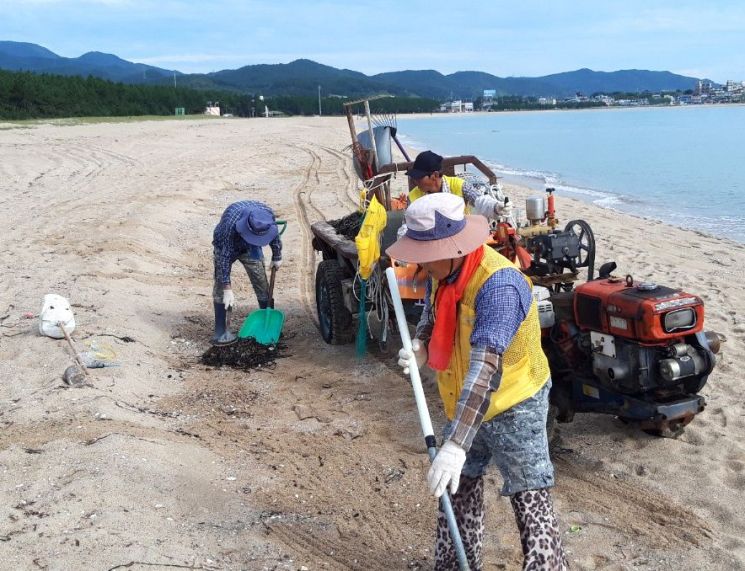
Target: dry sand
[{"x": 319, "y": 462}]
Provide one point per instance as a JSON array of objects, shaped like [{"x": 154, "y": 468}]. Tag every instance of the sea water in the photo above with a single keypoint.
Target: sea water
[{"x": 681, "y": 165}]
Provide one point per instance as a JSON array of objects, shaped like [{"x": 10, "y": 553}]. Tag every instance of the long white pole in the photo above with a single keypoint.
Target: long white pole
[{"x": 424, "y": 418}]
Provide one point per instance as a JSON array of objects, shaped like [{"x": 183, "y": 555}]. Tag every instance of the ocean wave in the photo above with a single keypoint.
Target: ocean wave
[{"x": 554, "y": 180}]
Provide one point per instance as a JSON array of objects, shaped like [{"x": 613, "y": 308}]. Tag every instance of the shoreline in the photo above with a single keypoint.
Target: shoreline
[
  {"x": 552, "y": 110},
  {"x": 563, "y": 172}
]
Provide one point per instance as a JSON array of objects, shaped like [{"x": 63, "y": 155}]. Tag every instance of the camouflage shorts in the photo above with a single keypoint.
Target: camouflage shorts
[
  {"x": 256, "y": 273},
  {"x": 516, "y": 440}
]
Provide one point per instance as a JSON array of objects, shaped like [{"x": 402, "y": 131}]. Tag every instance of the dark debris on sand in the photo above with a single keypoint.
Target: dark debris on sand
[
  {"x": 349, "y": 226},
  {"x": 244, "y": 354}
]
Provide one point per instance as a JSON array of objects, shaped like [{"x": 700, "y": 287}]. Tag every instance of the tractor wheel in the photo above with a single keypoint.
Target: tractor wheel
[
  {"x": 667, "y": 429},
  {"x": 333, "y": 317},
  {"x": 586, "y": 238}
]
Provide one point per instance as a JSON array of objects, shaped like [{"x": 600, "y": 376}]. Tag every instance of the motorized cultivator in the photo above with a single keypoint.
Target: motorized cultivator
[{"x": 616, "y": 345}]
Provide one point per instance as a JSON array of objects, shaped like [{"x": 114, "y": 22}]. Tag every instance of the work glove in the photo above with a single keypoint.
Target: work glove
[
  {"x": 485, "y": 205},
  {"x": 446, "y": 469},
  {"x": 276, "y": 264},
  {"x": 420, "y": 352},
  {"x": 503, "y": 209},
  {"x": 228, "y": 298}
]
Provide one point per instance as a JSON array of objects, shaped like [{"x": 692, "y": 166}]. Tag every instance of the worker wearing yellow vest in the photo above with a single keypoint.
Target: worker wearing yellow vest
[
  {"x": 480, "y": 332},
  {"x": 426, "y": 172}
]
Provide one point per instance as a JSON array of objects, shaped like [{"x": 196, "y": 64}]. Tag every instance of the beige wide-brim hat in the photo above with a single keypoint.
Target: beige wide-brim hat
[{"x": 438, "y": 229}]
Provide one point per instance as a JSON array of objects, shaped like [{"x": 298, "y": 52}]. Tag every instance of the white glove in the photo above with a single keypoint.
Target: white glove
[
  {"x": 420, "y": 352},
  {"x": 228, "y": 298},
  {"x": 503, "y": 209},
  {"x": 446, "y": 468},
  {"x": 276, "y": 264},
  {"x": 485, "y": 205}
]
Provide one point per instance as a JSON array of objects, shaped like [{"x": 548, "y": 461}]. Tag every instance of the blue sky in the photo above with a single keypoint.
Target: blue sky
[{"x": 528, "y": 38}]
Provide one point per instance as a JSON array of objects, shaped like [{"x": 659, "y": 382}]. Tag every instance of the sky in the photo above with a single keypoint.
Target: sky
[{"x": 704, "y": 39}]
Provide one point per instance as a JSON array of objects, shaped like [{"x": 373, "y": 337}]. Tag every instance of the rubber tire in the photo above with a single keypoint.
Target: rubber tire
[{"x": 334, "y": 319}]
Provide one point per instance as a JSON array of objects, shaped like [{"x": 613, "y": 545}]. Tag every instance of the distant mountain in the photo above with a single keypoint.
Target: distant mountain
[
  {"x": 302, "y": 77},
  {"x": 21, "y": 56},
  {"x": 631, "y": 80},
  {"x": 465, "y": 84}
]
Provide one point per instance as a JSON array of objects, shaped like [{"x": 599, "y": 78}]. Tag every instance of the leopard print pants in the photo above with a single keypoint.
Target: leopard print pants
[{"x": 534, "y": 513}]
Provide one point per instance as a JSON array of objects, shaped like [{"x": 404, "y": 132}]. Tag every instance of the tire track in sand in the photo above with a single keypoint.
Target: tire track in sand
[
  {"x": 308, "y": 212},
  {"x": 344, "y": 162},
  {"x": 307, "y": 287}
]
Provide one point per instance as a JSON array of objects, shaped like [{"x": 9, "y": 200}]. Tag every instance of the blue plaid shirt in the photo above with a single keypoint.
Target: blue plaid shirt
[
  {"x": 501, "y": 306},
  {"x": 228, "y": 242}
]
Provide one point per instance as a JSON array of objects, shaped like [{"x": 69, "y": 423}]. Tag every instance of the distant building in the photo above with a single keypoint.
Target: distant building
[
  {"x": 487, "y": 101},
  {"x": 213, "y": 108},
  {"x": 704, "y": 87}
]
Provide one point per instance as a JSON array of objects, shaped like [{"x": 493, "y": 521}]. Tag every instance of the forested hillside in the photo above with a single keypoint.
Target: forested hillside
[{"x": 25, "y": 95}]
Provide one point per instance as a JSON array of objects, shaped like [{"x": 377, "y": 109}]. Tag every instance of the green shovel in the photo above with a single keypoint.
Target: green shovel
[{"x": 264, "y": 325}]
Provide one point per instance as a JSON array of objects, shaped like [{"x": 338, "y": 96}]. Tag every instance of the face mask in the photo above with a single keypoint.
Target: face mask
[{"x": 55, "y": 309}]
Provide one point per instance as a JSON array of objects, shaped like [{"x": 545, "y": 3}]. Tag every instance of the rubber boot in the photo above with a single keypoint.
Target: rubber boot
[{"x": 222, "y": 335}]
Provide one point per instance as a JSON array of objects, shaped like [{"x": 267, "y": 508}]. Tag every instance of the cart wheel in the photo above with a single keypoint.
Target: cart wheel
[{"x": 333, "y": 317}]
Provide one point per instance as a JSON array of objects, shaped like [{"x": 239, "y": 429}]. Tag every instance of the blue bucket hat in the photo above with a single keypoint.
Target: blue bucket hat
[{"x": 257, "y": 226}]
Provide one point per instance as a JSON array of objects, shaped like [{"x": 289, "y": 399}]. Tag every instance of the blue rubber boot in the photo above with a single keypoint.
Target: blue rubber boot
[{"x": 222, "y": 335}]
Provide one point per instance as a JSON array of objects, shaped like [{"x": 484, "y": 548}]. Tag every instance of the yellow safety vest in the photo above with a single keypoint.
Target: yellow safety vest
[
  {"x": 524, "y": 365},
  {"x": 455, "y": 184}
]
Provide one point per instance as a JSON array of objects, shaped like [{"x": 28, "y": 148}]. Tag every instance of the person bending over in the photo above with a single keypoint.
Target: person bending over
[{"x": 244, "y": 228}]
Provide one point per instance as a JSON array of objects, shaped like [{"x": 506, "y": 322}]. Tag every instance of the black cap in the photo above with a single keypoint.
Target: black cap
[{"x": 425, "y": 164}]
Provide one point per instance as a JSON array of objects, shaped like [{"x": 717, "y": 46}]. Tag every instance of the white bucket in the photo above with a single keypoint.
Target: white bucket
[{"x": 54, "y": 310}]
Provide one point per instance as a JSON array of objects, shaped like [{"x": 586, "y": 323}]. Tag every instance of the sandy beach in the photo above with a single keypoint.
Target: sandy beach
[{"x": 317, "y": 463}]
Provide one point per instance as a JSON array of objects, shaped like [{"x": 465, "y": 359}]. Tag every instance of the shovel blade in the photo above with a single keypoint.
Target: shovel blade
[{"x": 264, "y": 325}]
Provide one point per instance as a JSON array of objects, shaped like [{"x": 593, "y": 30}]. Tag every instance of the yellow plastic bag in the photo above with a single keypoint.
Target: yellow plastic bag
[{"x": 368, "y": 238}]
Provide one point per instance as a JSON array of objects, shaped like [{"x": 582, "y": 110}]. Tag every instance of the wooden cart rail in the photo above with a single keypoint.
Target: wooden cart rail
[
  {"x": 448, "y": 167},
  {"x": 341, "y": 245}
]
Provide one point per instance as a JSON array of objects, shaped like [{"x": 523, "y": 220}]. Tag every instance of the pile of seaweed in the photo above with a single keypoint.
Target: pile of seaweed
[
  {"x": 349, "y": 226},
  {"x": 244, "y": 354}
]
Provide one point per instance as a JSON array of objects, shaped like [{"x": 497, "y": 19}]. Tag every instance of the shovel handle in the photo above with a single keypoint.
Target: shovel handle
[
  {"x": 271, "y": 286},
  {"x": 75, "y": 353}
]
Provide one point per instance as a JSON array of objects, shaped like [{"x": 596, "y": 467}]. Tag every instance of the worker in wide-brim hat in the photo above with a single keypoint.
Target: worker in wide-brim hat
[
  {"x": 426, "y": 172},
  {"x": 480, "y": 332},
  {"x": 244, "y": 229}
]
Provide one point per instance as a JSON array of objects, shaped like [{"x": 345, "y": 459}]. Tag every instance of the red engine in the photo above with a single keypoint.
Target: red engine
[
  {"x": 646, "y": 312},
  {"x": 641, "y": 337}
]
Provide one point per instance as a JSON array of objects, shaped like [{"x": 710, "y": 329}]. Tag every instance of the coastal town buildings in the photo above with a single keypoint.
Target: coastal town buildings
[{"x": 705, "y": 92}]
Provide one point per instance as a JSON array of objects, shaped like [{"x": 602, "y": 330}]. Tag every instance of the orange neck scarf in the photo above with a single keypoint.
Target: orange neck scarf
[{"x": 448, "y": 295}]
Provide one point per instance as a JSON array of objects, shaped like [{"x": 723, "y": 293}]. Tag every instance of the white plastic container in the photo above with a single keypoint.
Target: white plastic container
[
  {"x": 546, "y": 314},
  {"x": 54, "y": 310}
]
